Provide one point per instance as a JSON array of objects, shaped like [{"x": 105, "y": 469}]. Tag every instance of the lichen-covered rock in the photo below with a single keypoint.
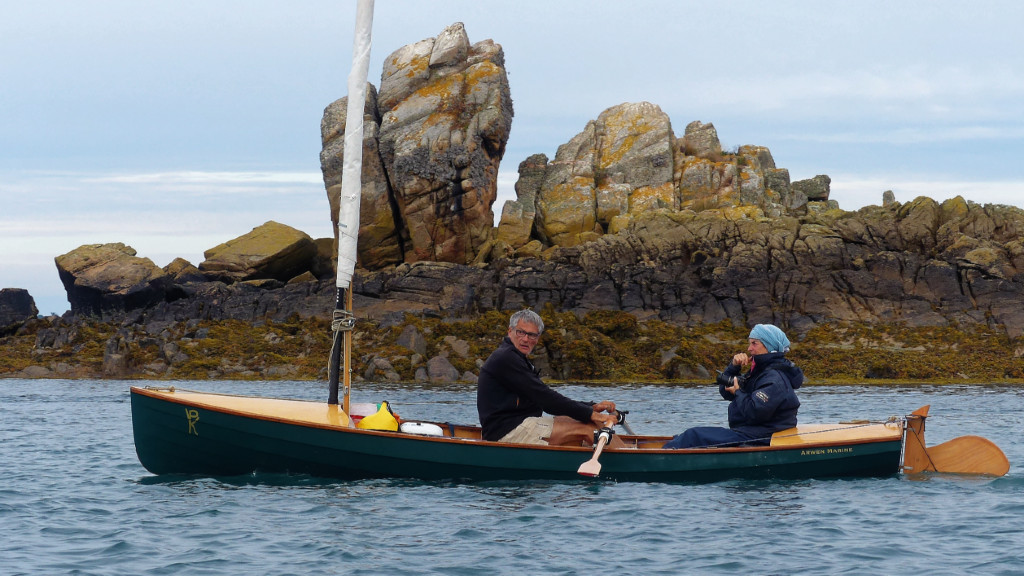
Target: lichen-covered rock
[
  {"x": 815, "y": 189},
  {"x": 437, "y": 130},
  {"x": 732, "y": 264},
  {"x": 517, "y": 215},
  {"x": 628, "y": 162},
  {"x": 566, "y": 203},
  {"x": 701, "y": 140},
  {"x": 270, "y": 251},
  {"x": 446, "y": 112},
  {"x": 622, "y": 163},
  {"x": 102, "y": 278},
  {"x": 381, "y": 241}
]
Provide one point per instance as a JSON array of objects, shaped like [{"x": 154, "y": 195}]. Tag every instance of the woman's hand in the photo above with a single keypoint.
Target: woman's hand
[{"x": 741, "y": 359}]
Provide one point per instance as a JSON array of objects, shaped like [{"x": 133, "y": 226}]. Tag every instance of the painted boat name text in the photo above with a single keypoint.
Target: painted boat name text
[{"x": 821, "y": 451}]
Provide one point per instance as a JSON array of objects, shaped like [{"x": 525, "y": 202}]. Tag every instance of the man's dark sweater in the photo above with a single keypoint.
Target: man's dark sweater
[{"x": 510, "y": 391}]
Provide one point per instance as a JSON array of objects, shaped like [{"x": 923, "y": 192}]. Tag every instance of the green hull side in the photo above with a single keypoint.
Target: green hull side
[{"x": 172, "y": 438}]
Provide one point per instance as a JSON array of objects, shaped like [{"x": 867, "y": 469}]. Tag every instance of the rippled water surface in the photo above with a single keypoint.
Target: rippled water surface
[{"x": 75, "y": 500}]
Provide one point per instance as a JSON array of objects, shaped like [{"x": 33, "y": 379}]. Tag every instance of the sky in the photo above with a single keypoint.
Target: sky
[{"x": 175, "y": 126}]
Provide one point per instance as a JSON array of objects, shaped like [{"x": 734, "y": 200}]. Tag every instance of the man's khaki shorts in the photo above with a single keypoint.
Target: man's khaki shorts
[{"x": 533, "y": 430}]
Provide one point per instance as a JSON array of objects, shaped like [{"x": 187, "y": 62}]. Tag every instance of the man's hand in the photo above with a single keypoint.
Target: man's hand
[
  {"x": 606, "y": 406},
  {"x": 603, "y": 420}
]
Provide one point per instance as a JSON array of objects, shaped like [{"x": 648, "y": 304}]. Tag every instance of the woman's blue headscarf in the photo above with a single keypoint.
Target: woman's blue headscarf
[{"x": 773, "y": 339}]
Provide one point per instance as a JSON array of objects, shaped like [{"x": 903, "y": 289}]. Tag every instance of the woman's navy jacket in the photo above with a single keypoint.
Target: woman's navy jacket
[{"x": 766, "y": 401}]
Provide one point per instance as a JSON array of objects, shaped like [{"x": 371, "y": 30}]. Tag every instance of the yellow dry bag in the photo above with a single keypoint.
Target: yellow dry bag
[{"x": 382, "y": 419}]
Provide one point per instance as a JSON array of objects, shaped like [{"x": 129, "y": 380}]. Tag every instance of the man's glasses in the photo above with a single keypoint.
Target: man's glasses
[{"x": 525, "y": 334}]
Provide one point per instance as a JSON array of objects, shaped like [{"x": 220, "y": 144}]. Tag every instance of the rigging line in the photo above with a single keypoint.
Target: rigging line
[
  {"x": 917, "y": 438},
  {"x": 341, "y": 321},
  {"x": 859, "y": 424},
  {"x": 891, "y": 420},
  {"x": 334, "y": 345}
]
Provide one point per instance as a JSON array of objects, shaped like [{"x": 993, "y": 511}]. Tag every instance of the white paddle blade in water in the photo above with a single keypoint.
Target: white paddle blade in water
[{"x": 592, "y": 467}]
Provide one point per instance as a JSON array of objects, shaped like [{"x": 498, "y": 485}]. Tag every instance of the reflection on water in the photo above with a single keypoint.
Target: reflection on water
[{"x": 766, "y": 497}]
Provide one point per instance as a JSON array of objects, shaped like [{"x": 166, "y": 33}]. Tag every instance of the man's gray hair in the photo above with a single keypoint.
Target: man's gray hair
[{"x": 526, "y": 315}]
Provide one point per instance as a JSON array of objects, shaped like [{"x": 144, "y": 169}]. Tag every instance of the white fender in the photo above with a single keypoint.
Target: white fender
[{"x": 422, "y": 428}]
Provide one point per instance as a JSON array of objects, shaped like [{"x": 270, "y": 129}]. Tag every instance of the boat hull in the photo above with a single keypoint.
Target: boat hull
[{"x": 182, "y": 434}]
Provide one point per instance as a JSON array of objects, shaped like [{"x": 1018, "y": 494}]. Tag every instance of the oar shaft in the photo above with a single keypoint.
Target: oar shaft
[
  {"x": 600, "y": 446},
  {"x": 621, "y": 415}
]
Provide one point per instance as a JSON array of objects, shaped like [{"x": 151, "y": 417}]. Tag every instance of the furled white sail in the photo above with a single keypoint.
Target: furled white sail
[{"x": 351, "y": 174}]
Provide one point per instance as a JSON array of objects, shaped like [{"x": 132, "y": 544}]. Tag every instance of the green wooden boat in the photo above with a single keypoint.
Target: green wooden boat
[{"x": 183, "y": 432}]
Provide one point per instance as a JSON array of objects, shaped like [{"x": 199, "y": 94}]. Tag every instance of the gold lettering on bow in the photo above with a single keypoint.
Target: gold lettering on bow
[{"x": 193, "y": 417}]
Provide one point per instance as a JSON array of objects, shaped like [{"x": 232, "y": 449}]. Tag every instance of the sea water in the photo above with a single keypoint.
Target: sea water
[{"x": 75, "y": 500}]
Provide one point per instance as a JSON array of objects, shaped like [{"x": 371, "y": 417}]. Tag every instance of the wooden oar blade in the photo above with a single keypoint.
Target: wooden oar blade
[
  {"x": 590, "y": 468},
  {"x": 969, "y": 455}
]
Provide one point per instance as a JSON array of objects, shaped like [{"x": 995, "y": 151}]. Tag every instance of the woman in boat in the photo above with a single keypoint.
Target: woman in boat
[
  {"x": 511, "y": 398},
  {"x": 762, "y": 401}
]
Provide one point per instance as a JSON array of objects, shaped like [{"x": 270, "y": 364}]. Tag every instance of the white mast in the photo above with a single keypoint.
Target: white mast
[
  {"x": 348, "y": 216},
  {"x": 352, "y": 170}
]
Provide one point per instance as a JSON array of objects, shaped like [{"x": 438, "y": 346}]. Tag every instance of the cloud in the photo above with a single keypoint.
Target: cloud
[
  {"x": 200, "y": 178},
  {"x": 162, "y": 215},
  {"x": 160, "y": 203},
  {"x": 908, "y": 136}
]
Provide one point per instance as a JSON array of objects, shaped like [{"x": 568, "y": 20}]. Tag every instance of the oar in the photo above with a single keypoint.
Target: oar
[
  {"x": 961, "y": 455},
  {"x": 592, "y": 467}
]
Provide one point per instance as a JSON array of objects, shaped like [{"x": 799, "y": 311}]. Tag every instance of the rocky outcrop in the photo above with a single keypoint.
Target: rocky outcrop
[
  {"x": 628, "y": 162},
  {"x": 517, "y": 216},
  {"x": 920, "y": 264},
  {"x": 621, "y": 164},
  {"x": 102, "y": 278},
  {"x": 272, "y": 272},
  {"x": 271, "y": 251},
  {"x": 438, "y": 128},
  {"x": 446, "y": 112},
  {"x": 16, "y": 306}
]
